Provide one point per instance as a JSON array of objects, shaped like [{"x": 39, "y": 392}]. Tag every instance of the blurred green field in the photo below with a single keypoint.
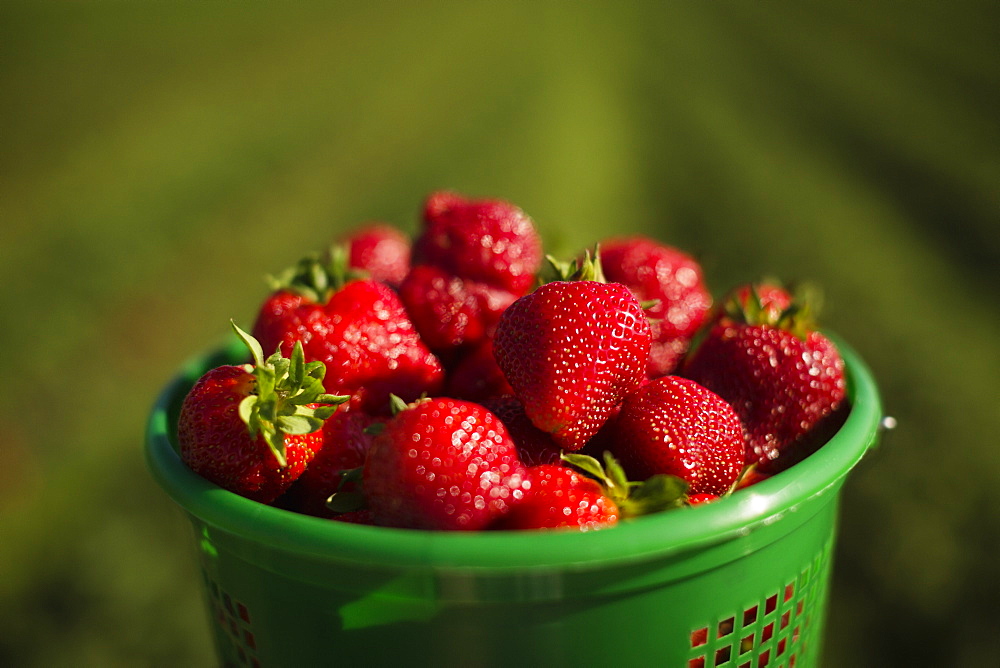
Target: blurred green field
[{"x": 159, "y": 159}]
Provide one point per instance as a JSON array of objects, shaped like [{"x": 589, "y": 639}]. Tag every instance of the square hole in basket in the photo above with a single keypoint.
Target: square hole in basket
[
  {"x": 795, "y": 635},
  {"x": 697, "y": 662},
  {"x": 791, "y": 661},
  {"x": 699, "y": 637},
  {"x": 766, "y": 634},
  {"x": 785, "y": 618},
  {"x": 771, "y": 604},
  {"x": 233, "y": 618},
  {"x": 722, "y": 655},
  {"x": 746, "y": 644},
  {"x": 726, "y": 627},
  {"x": 749, "y": 616},
  {"x": 798, "y": 608},
  {"x": 789, "y": 591},
  {"x": 781, "y": 647},
  {"x": 764, "y": 658}
]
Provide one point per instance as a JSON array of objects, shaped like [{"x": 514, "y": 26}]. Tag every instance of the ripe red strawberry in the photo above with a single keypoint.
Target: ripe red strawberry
[
  {"x": 780, "y": 375},
  {"x": 470, "y": 261},
  {"x": 675, "y": 426},
  {"x": 489, "y": 241},
  {"x": 572, "y": 350},
  {"x": 699, "y": 499},
  {"x": 381, "y": 251},
  {"x": 556, "y": 496},
  {"x": 560, "y": 497},
  {"x": 346, "y": 441},
  {"x": 672, "y": 281},
  {"x": 534, "y": 446},
  {"x": 450, "y": 311},
  {"x": 442, "y": 464},
  {"x": 252, "y": 429},
  {"x": 359, "y": 329}
]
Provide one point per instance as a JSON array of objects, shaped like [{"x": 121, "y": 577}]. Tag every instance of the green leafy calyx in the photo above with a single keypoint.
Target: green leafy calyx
[
  {"x": 633, "y": 498},
  {"x": 318, "y": 276},
  {"x": 288, "y": 397},
  {"x": 586, "y": 269},
  {"x": 799, "y": 317},
  {"x": 349, "y": 497}
]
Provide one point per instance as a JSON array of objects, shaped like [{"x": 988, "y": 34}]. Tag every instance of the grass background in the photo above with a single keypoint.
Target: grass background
[{"x": 157, "y": 159}]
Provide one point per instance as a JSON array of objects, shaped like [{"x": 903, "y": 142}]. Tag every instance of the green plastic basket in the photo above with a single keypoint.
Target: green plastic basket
[{"x": 741, "y": 582}]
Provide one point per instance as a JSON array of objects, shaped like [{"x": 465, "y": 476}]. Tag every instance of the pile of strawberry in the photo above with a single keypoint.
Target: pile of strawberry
[{"x": 454, "y": 383}]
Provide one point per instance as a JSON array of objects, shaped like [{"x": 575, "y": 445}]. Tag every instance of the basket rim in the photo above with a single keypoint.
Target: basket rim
[{"x": 692, "y": 529}]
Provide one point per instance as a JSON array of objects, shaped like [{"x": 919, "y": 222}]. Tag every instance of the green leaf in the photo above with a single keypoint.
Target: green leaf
[
  {"x": 597, "y": 266},
  {"x": 246, "y": 411},
  {"x": 334, "y": 399},
  {"x": 656, "y": 494},
  {"x": 298, "y": 424},
  {"x": 279, "y": 367},
  {"x": 324, "y": 412},
  {"x": 276, "y": 441},
  {"x": 315, "y": 370},
  {"x": 266, "y": 380},
  {"x": 297, "y": 366},
  {"x": 615, "y": 473},
  {"x": 563, "y": 270},
  {"x": 251, "y": 343},
  {"x": 585, "y": 463},
  {"x": 345, "y": 502},
  {"x": 374, "y": 429},
  {"x": 396, "y": 404}
]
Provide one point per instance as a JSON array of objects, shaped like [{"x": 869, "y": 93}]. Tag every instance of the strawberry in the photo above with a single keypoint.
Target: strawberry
[
  {"x": 346, "y": 439},
  {"x": 380, "y": 250},
  {"x": 252, "y": 429},
  {"x": 442, "y": 463},
  {"x": 450, "y": 311},
  {"x": 472, "y": 259},
  {"x": 671, "y": 281},
  {"x": 560, "y": 497},
  {"x": 358, "y": 328},
  {"x": 489, "y": 241},
  {"x": 557, "y": 496},
  {"x": 818, "y": 434},
  {"x": 534, "y": 446},
  {"x": 572, "y": 350},
  {"x": 780, "y": 375},
  {"x": 675, "y": 426}
]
